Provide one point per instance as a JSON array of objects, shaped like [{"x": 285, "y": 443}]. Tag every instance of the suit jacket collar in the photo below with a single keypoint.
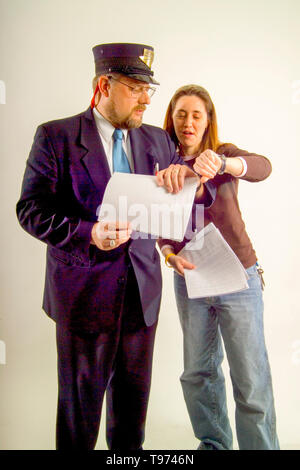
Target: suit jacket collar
[{"x": 93, "y": 156}]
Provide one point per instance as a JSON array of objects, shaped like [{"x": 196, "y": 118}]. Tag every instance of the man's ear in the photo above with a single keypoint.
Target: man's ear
[{"x": 104, "y": 85}]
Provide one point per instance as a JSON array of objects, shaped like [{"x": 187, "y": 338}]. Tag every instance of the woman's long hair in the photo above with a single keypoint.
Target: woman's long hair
[{"x": 210, "y": 138}]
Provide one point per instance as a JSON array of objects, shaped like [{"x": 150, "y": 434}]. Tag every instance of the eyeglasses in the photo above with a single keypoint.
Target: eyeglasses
[{"x": 138, "y": 90}]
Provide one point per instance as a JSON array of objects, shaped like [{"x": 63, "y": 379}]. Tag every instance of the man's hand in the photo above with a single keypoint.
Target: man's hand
[
  {"x": 109, "y": 235},
  {"x": 173, "y": 177},
  {"x": 207, "y": 165}
]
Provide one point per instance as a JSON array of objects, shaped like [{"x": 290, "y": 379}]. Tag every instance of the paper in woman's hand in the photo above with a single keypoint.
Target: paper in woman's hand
[{"x": 218, "y": 270}]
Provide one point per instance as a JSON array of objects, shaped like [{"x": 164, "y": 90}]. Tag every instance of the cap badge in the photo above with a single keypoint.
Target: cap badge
[{"x": 148, "y": 57}]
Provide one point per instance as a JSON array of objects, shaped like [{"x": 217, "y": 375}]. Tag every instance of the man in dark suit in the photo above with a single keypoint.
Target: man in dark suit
[{"x": 102, "y": 288}]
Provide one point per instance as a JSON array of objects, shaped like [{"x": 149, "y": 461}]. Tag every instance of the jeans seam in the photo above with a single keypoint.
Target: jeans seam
[{"x": 212, "y": 382}]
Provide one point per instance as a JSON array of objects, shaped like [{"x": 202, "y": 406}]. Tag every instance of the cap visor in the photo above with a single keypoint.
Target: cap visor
[{"x": 143, "y": 78}]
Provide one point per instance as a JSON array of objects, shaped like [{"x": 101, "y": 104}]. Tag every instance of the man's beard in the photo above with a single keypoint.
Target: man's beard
[{"x": 128, "y": 122}]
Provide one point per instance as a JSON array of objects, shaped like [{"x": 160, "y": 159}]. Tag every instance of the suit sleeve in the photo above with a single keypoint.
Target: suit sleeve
[{"x": 40, "y": 209}]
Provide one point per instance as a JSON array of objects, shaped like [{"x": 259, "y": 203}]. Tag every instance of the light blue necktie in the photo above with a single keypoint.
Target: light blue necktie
[{"x": 120, "y": 161}]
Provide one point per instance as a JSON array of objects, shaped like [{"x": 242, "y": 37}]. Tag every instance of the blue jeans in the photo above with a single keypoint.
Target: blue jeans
[{"x": 238, "y": 318}]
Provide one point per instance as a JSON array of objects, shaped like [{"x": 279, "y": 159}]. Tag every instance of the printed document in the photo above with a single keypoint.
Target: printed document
[
  {"x": 218, "y": 270},
  {"x": 149, "y": 207}
]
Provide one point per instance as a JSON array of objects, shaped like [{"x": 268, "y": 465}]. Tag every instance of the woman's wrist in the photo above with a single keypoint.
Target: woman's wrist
[
  {"x": 199, "y": 190},
  {"x": 167, "y": 252},
  {"x": 168, "y": 256},
  {"x": 234, "y": 166}
]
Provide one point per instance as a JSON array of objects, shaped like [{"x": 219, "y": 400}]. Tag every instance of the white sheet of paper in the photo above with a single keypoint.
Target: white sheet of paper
[
  {"x": 149, "y": 207},
  {"x": 218, "y": 270}
]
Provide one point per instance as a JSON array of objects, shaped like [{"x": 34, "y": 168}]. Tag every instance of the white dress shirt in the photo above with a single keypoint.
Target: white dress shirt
[{"x": 106, "y": 130}]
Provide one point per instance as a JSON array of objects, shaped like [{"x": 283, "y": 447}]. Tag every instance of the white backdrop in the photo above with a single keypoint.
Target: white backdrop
[{"x": 246, "y": 53}]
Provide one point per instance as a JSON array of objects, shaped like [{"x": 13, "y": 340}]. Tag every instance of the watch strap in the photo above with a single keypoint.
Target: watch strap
[{"x": 223, "y": 165}]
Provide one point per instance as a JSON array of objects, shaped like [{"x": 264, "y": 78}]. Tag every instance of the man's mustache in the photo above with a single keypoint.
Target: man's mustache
[{"x": 140, "y": 108}]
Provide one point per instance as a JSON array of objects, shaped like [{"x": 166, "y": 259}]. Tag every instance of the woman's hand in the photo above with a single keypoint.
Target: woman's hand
[
  {"x": 207, "y": 164},
  {"x": 179, "y": 264}
]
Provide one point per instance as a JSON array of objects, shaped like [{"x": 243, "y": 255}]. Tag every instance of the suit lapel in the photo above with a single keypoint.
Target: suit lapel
[
  {"x": 93, "y": 156},
  {"x": 142, "y": 152}
]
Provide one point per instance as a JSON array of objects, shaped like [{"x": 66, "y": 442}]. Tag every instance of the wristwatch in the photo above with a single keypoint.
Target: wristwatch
[{"x": 223, "y": 165}]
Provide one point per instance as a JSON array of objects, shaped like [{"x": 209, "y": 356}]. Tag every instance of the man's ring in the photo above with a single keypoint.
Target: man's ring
[{"x": 112, "y": 243}]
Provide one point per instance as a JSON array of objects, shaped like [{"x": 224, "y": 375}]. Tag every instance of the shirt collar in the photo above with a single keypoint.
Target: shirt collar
[{"x": 105, "y": 128}]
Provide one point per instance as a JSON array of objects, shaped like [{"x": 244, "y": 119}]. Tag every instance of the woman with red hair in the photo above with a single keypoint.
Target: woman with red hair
[{"x": 236, "y": 318}]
